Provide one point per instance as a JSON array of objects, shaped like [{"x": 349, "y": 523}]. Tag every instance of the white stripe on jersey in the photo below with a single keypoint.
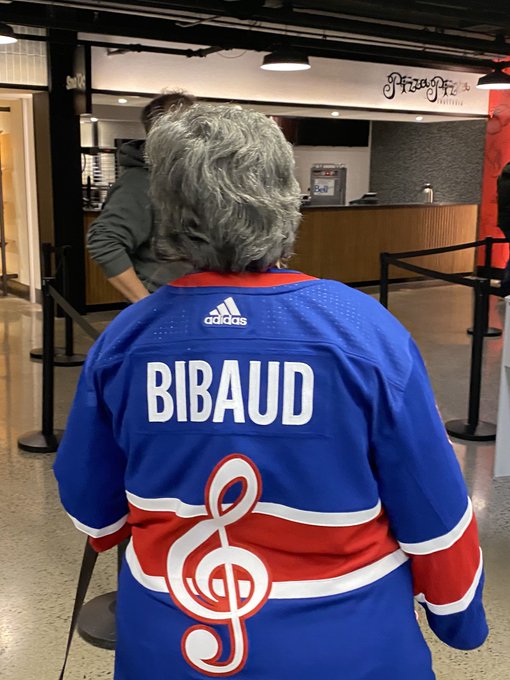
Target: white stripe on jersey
[
  {"x": 441, "y": 542},
  {"x": 320, "y": 519},
  {"x": 289, "y": 590}
]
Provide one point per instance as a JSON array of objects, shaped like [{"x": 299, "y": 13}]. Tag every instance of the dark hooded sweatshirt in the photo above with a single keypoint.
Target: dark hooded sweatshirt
[
  {"x": 504, "y": 200},
  {"x": 121, "y": 237}
]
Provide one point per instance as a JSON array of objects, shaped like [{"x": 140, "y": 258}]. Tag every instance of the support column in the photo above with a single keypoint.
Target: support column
[{"x": 66, "y": 160}]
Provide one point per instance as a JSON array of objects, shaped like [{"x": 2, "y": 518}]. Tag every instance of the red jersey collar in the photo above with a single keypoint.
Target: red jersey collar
[{"x": 243, "y": 280}]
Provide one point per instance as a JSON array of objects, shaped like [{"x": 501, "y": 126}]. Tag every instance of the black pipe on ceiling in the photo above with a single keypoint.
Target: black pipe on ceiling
[{"x": 228, "y": 38}]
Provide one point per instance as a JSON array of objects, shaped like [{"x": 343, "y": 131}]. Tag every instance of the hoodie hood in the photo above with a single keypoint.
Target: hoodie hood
[
  {"x": 506, "y": 169},
  {"x": 132, "y": 154}
]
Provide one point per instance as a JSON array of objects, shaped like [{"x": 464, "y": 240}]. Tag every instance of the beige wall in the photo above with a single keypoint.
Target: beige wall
[{"x": 19, "y": 203}]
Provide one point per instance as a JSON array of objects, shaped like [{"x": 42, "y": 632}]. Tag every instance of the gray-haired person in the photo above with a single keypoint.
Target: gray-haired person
[
  {"x": 271, "y": 443},
  {"x": 120, "y": 240}
]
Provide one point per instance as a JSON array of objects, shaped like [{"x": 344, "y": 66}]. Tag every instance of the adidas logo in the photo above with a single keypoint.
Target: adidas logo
[{"x": 225, "y": 314}]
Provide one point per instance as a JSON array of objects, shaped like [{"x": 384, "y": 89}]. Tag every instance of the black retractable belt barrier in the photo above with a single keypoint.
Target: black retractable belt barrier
[
  {"x": 488, "y": 331},
  {"x": 46, "y": 440},
  {"x": 472, "y": 429},
  {"x": 86, "y": 570},
  {"x": 69, "y": 357},
  {"x": 383, "y": 289},
  {"x": 47, "y": 253},
  {"x": 96, "y": 621},
  {"x": 63, "y": 356}
]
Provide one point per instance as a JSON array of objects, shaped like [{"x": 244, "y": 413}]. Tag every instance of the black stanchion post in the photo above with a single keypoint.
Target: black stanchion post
[
  {"x": 65, "y": 293},
  {"x": 46, "y": 265},
  {"x": 63, "y": 356},
  {"x": 68, "y": 358},
  {"x": 474, "y": 429},
  {"x": 47, "y": 251},
  {"x": 47, "y": 440},
  {"x": 48, "y": 382},
  {"x": 489, "y": 241},
  {"x": 488, "y": 331},
  {"x": 383, "y": 284},
  {"x": 96, "y": 623}
]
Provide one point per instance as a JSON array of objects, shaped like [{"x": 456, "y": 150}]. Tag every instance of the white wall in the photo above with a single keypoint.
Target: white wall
[
  {"x": 357, "y": 160},
  {"x": 33, "y": 249},
  {"x": 109, "y": 130},
  {"x": 332, "y": 82},
  {"x": 24, "y": 62}
]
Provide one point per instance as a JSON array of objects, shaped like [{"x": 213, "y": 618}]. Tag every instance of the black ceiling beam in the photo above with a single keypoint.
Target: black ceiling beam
[
  {"x": 421, "y": 13},
  {"x": 108, "y": 23},
  {"x": 288, "y": 17},
  {"x": 457, "y": 14},
  {"x": 385, "y": 31}
]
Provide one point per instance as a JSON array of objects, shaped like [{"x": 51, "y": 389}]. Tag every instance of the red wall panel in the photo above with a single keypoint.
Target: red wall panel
[{"x": 497, "y": 155}]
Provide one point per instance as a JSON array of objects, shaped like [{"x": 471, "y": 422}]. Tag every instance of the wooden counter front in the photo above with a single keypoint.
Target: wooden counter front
[
  {"x": 98, "y": 290},
  {"x": 344, "y": 243}
]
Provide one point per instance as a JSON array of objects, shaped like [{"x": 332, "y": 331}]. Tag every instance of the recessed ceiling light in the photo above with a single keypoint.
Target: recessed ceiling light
[
  {"x": 419, "y": 118},
  {"x": 122, "y": 100},
  {"x": 335, "y": 113},
  {"x": 94, "y": 120}
]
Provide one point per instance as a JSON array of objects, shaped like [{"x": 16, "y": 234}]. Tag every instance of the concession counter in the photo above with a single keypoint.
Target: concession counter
[{"x": 344, "y": 242}]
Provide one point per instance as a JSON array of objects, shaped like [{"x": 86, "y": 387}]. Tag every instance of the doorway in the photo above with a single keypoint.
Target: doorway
[{"x": 19, "y": 242}]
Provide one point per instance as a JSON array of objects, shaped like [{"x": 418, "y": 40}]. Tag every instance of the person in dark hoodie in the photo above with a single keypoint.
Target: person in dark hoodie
[
  {"x": 120, "y": 241},
  {"x": 504, "y": 216}
]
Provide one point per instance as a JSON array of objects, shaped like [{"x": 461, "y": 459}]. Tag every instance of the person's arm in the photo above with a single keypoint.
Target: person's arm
[
  {"x": 90, "y": 467},
  {"x": 129, "y": 285},
  {"x": 423, "y": 491},
  {"x": 124, "y": 224}
]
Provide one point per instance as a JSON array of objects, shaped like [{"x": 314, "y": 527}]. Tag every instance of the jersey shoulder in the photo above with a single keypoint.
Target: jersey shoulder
[{"x": 359, "y": 326}]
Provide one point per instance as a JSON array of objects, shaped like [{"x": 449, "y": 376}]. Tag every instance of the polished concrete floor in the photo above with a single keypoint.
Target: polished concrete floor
[{"x": 41, "y": 552}]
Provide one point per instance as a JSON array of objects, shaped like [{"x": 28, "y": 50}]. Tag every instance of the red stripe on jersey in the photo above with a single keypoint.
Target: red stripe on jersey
[
  {"x": 242, "y": 280},
  {"x": 292, "y": 551},
  {"x": 446, "y": 575},
  {"x": 110, "y": 541}
]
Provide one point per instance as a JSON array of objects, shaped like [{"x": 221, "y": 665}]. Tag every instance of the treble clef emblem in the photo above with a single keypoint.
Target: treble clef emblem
[{"x": 213, "y": 581}]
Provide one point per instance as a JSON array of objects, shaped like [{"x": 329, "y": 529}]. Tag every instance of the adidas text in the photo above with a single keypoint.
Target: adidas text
[
  {"x": 225, "y": 320},
  {"x": 226, "y": 314}
]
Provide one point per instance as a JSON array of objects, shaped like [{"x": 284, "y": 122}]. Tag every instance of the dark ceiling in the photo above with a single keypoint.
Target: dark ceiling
[{"x": 459, "y": 34}]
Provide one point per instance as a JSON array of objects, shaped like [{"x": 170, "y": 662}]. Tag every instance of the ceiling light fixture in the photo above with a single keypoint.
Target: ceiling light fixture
[
  {"x": 335, "y": 114},
  {"x": 122, "y": 100},
  {"x": 496, "y": 79},
  {"x": 7, "y": 36},
  {"x": 419, "y": 118},
  {"x": 285, "y": 60}
]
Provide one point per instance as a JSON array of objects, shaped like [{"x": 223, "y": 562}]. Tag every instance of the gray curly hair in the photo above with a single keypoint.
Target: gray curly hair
[{"x": 222, "y": 181}]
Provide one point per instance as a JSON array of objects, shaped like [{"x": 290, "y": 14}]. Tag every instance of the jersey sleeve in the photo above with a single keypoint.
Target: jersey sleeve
[
  {"x": 90, "y": 467},
  {"x": 430, "y": 513}
]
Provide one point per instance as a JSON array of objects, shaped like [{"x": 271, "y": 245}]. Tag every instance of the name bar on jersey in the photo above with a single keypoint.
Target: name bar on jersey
[{"x": 185, "y": 391}]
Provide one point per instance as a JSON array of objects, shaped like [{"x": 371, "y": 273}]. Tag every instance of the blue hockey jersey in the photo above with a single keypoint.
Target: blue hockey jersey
[{"x": 271, "y": 444}]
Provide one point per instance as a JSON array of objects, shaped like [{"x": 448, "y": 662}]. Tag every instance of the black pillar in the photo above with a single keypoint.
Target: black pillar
[{"x": 66, "y": 160}]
